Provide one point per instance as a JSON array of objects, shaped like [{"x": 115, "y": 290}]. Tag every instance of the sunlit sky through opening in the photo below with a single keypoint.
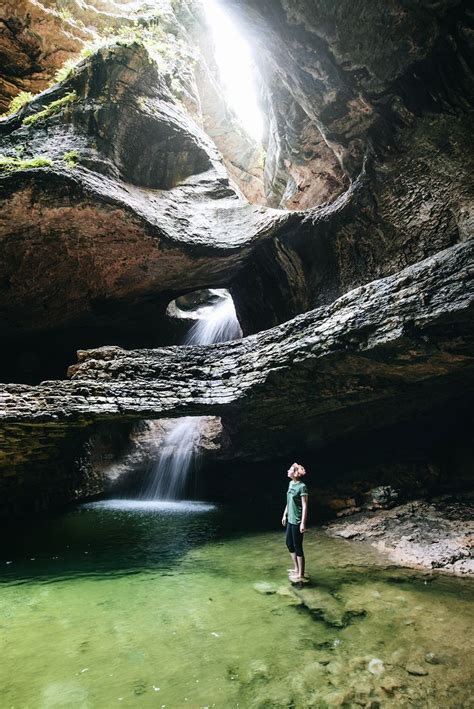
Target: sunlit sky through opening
[{"x": 236, "y": 66}]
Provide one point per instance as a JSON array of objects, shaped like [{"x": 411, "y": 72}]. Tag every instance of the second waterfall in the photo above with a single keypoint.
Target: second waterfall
[{"x": 179, "y": 451}]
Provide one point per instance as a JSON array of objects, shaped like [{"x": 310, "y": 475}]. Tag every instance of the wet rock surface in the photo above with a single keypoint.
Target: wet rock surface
[
  {"x": 436, "y": 534},
  {"x": 122, "y": 457},
  {"x": 132, "y": 206},
  {"x": 35, "y": 41},
  {"x": 382, "y": 332},
  {"x": 373, "y": 355},
  {"x": 346, "y": 67},
  {"x": 407, "y": 195}
]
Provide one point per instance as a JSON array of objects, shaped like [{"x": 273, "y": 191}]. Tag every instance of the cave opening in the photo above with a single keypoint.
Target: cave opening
[
  {"x": 237, "y": 69},
  {"x": 174, "y": 447},
  {"x": 205, "y": 316}
]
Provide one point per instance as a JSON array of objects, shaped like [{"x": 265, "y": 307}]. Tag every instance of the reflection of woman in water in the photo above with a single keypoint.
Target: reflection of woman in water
[{"x": 294, "y": 519}]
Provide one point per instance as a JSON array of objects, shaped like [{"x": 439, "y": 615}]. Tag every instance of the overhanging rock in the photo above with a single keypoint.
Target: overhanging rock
[{"x": 394, "y": 347}]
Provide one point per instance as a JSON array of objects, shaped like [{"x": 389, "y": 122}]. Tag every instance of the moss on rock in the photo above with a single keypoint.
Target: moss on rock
[
  {"x": 50, "y": 110},
  {"x": 9, "y": 164},
  {"x": 18, "y": 102},
  {"x": 71, "y": 158}
]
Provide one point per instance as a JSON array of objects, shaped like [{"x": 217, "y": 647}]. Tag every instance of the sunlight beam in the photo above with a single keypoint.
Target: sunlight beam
[{"x": 237, "y": 69}]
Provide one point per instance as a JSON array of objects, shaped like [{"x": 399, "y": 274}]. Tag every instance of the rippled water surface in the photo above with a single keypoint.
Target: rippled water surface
[{"x": 186, "y": 605}]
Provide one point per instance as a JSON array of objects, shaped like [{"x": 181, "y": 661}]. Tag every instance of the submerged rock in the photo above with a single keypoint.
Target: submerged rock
[
  {"x": 376, "y": 667},
  {"x": 433, "y": 659},
  {"x": 265, "y": 588},
  {"x": 390, "y": 685},
  {"x": 417, "y": 670}
]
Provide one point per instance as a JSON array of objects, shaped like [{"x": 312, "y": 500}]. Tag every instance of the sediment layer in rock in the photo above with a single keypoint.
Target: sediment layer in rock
[{"x": 384, "y": 350}]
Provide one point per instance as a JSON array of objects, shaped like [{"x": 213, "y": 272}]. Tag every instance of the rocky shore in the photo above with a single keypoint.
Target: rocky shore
[{"x": 427, "y": 534}]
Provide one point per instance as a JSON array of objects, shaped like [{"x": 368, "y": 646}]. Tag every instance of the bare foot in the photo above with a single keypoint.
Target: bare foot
[{"x": 293, "y": 572}]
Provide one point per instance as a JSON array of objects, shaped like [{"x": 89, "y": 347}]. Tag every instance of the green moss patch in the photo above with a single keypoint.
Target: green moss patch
[
  {"x": 10, "y": 164},
  {"x": 64, "y": 72},
  {"x": 18, "y": 102},
  {"x": 71, "y": 158},
  {"x": 50, "y": 110}
]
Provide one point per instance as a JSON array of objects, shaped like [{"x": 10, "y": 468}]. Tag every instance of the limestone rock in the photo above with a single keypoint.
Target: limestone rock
[
  {"x": 35, "y": 42},
  {"x": 433, "y": 659},
  {"x": 417, "y": 670},
  {"x": 373, "y": 353},
  {"x": 139, "y": 218},
  {"x": 419, "y": 534},
  {"x": 344, "y": 64},
  {"x": 390, "y": 179},
  {"x": 361, "y": 305}
]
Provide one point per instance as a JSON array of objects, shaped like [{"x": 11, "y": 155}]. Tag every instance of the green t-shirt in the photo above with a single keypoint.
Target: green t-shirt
[{"x": 293, "y": 501}]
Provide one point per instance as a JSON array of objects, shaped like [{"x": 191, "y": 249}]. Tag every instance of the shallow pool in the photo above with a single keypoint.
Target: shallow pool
[{"x": 141, "y": 605}]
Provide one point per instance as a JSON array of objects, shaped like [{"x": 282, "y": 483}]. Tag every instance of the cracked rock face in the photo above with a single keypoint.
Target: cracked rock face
[
  {"x": 352, "y": 72},
  {"x": 379, "y": 355},
  {"x": 148, "y": 211},
  {"x": 34, "y": 44},
  {"x": 358, "y": 301},
  {"x": 39, "y": 39},
  {"x": 436, "y": 535},
  {"x": 144, "y": 213}
]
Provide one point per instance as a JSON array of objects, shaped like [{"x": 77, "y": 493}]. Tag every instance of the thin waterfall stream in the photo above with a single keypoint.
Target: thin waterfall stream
[{"x": 179, "y": 454}]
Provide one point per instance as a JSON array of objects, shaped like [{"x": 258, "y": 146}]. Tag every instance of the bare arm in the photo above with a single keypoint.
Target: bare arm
[
  {"x": 304, "y": 512},
  {"x": 285, "y": 515}
]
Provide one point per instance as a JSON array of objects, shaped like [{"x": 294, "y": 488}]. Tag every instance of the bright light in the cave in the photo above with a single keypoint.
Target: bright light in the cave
[{"x": 237, "y": 69}]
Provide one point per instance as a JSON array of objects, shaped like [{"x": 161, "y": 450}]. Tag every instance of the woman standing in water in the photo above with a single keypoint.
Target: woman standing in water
[{"x": 294, "y": 519}]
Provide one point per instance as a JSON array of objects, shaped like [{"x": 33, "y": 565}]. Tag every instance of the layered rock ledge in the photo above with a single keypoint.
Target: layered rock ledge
[
  {"x": 133, "y": 200},
  {"x": 376, "y": 356},
  {"x": 117, "y": 202}
]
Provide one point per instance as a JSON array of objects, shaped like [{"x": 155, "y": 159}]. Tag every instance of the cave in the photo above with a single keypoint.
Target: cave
[{"x": 200, "y": 299}]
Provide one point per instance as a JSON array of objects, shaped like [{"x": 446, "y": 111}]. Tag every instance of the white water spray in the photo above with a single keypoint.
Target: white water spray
[
  {"x": 179, "y": 451},
  {"x": 216, "y": 323}
]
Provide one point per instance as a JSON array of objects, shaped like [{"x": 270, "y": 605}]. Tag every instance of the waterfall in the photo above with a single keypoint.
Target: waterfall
[
  {"x": 217, "y": 323},
  {"x": 178, "y": 455}
]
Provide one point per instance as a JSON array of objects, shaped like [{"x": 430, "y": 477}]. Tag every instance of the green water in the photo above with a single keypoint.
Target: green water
[{"x": 191, "y": 607}]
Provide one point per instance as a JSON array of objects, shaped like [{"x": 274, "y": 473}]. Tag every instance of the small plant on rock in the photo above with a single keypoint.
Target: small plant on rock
[
  {"x": 10, "y": 164},
  {"x": 65, "y": 15},
  {"x": 50, "y": 110},
  {"x": 65, "y": 71},
  {"x": 71, "y": 158},
  {"x": 18, "y": 102}
]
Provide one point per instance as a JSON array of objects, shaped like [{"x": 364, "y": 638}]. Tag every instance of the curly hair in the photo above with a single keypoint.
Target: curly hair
[{"x": 299, "y": 469}]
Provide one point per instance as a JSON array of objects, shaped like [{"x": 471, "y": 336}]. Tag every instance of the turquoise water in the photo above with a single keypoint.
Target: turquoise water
[{"x": 187, "y": 605}]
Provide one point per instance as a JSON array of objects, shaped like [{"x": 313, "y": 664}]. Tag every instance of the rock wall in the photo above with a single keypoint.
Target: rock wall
[
  {"x": 125, "y": 213},
  {"x": 384, "y": 354},
  {"x": 354, "y": 70},
  {"x": 41, "y": 42},
  {"x": 356, "y": 302},
  {"x": 392, "y": 98}
]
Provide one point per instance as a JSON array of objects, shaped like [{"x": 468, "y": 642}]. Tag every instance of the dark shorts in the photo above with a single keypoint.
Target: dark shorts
[{"x": 294, "y": 539}]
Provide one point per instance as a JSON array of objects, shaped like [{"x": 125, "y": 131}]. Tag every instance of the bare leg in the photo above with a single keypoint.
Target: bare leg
[
  {"x": 295, "y": 568},
  {"x": 299, "y": 575},
  {"x": 300, "y": 562}
]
